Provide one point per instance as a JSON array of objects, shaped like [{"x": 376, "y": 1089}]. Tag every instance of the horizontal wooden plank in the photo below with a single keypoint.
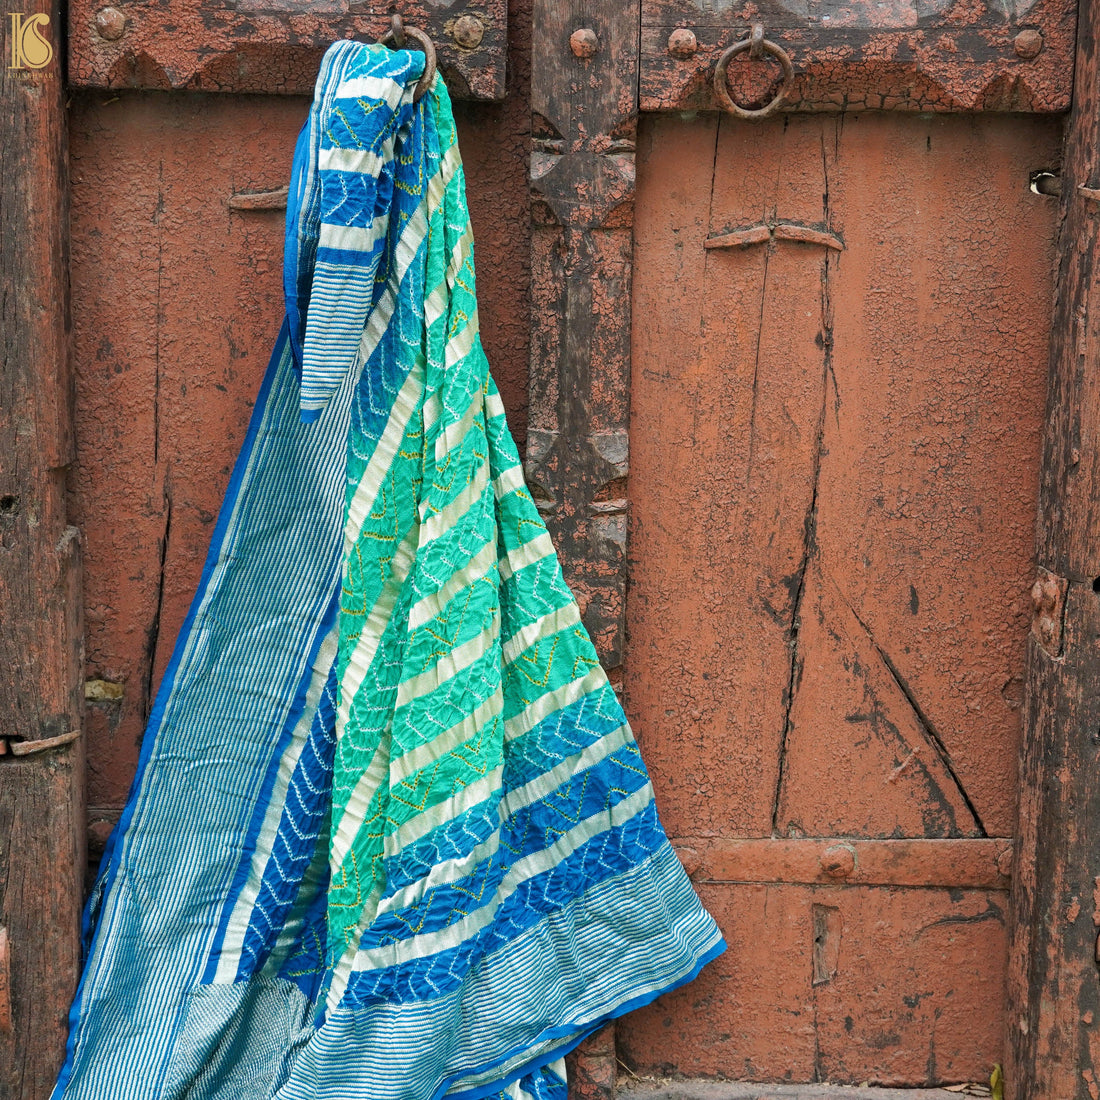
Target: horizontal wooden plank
[
  {"x": 964, "y": 863},
  {"x": 902, "y": 987},
  {"x": 269, "y": 45},
  {"x": 651, "y": 1088},
  {"x": 864, "y": 55}
]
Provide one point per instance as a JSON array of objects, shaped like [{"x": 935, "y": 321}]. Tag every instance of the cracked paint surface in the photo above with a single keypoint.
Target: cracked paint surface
[{"x": 834, "y": 466}]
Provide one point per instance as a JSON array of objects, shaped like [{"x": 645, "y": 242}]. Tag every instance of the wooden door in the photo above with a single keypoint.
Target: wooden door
[
  {"x": 807, "y": 542},
  {"x": 780, "y": 385},
  {"x": 834, "y": 467}
]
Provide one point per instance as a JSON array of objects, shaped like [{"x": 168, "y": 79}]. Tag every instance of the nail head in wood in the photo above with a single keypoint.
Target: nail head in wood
[
  {"x": 110, "y": 24},
  {"x": 584, "y": 43},
  {"x": 682, "y": 43},
  {"x": 1028, "y": 43},
  {"x": 468, "y": 31},
  {"x": 838, "y": 860}
]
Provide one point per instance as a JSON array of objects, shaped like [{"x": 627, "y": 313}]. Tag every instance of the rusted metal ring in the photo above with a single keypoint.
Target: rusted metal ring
[
  {"x": 396, "y": 37},
  {"x": 758, "y": 46}
]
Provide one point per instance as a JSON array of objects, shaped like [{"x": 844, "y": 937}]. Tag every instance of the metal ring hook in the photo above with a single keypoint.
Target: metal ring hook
[
  {"x": 397, "y": 37},
  {"x": 758, "y": 46}
]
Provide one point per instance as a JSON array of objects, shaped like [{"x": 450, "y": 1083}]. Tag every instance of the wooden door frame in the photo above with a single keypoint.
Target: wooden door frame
[
  {"x": 41, "y": 631},
  {"x": 1053, "y": 1030}
]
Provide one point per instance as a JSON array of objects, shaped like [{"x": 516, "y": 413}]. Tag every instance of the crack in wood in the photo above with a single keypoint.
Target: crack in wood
[{"x": 930, "y": 732}]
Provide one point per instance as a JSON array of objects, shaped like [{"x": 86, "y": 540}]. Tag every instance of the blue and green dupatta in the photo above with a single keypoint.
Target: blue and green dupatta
[{"x": 391, "y": 837}]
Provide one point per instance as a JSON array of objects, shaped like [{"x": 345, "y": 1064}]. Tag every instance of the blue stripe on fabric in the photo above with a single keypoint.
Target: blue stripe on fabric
[
  {"x": 561, "y": 734},
  {"x": 263, "y": 801},
  {"x": 352, "y": 259},
  {"x": 531, "y": 829},
  {"x": 607, "y": 854},
  {"x": 304, "y": 817},
  {"x": 450, "y": 840}
]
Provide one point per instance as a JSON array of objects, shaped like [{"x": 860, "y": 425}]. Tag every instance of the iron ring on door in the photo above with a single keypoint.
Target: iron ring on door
[
  {"x": 758, "y": 46},
  {"x": 396, "y": 37}
]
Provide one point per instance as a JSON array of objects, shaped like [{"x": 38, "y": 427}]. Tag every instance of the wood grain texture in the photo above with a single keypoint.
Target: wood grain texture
[
  {"x": 272, "y": 47},
  {"x": 1053, "y": 1035},
  {"x": 40, "y": 625},
  {"x": 834, "y": 464},
  {"x": 911, "y": 990},
  {"x": 582, "y": 181},
  {"x": 944, "y": 55}
]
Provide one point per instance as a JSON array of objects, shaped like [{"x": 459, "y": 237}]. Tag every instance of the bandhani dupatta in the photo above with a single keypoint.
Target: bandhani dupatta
[{"x": 391, "y": 836}]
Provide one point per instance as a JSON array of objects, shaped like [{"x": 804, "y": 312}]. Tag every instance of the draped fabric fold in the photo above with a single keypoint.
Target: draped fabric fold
[{"x": 391, "y": 836}]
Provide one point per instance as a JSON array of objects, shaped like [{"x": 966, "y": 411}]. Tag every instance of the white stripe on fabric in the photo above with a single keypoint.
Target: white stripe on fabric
[
  {"x": 551, "y": 623},
  {"x": 439, "y": 522},
  {"x": 552, "y": 701},
  {"x": 372, "y": 87},
  {"x": 473, "y": 569},
  {"x": 459, "y": 345},
  {"x": 363, "y": 162},
  {"x": 454, "y": 434},
  {"x": 473, "y": 794},
  {"x": 345, "y": 238},
  {"x": 230, "y": 956},
  {"x": 494, "y": 406},
  {"x": 389, "y": 443},
  {"x": 401, "y": 767},
  {"x": 431, "y": 943},
  {"x": 374, "y": 627},
  {"x": 510, "y": 481},
  {"x": 449, "y": 665},
  {"x": 534, "y": 550}
]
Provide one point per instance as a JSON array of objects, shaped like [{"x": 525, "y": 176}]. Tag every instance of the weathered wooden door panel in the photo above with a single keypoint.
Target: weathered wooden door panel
[
  {"x": 834, "y": 459},
  {"x": 177, "y": 299},
  {"x": 887, "y": 985}
]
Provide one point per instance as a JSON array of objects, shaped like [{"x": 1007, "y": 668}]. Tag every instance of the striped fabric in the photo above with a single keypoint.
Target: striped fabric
[{"x": 391, "y": 837}]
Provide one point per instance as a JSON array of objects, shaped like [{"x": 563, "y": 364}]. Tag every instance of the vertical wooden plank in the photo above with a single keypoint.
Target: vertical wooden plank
[
  {"x": 584, "y": 99},
  {"x": 1054, "y": 985},
  {"x": 40, "y": 630},
  {"x": 584, "y": 94}
]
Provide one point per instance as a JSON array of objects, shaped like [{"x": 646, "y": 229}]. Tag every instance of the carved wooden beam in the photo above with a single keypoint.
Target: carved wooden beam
[
  {"x": 941, "y": 55},
  {"x": 584, "y": 95},
  {"x": 584, "y": 100},
  {"x": 272, "y": 46}
]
